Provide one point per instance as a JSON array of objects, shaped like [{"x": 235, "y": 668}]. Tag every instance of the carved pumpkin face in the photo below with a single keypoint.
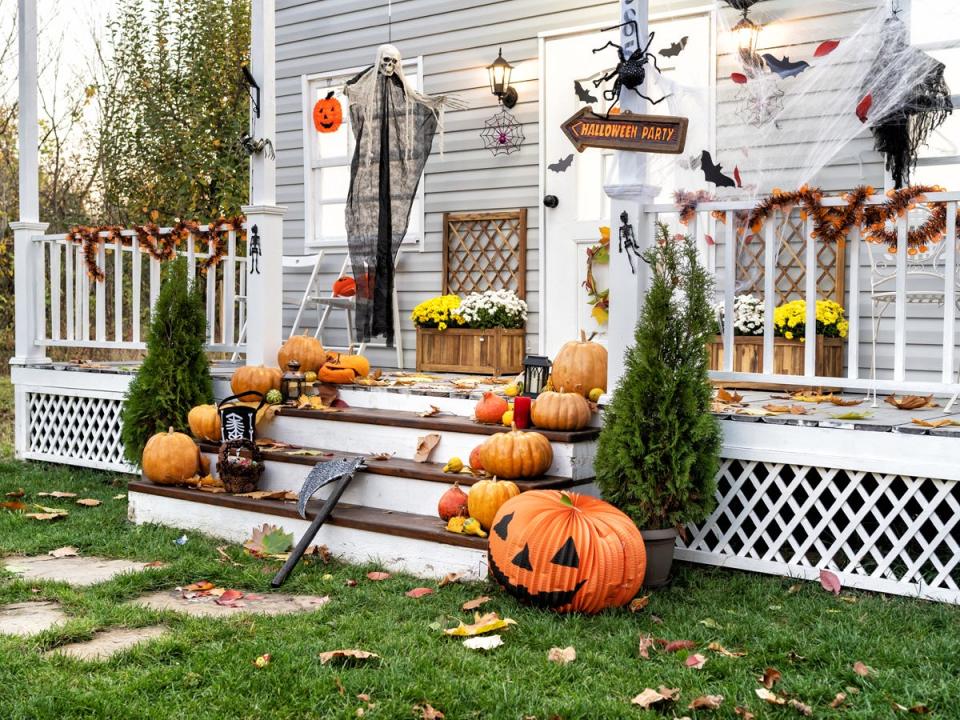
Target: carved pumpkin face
[
  {"x": 327, "y": 114},
  {"x": 566, "y": 552}
]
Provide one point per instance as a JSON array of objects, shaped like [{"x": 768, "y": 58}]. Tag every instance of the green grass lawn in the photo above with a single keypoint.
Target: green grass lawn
[
  {"x": 6, "y": 418},
  {"x": 204, "y": 669}
]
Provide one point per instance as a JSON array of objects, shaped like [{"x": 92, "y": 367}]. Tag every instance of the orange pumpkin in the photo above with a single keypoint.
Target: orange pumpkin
[
  {"x": 490, "y": 408},
  {"x": 560, "y": 411},
  {"x": 580, "y": 366},
  {"x": 475, "y": 462},
  {"x": 452, "y": 503},
  {"x": 260, "y": 378},
  {"x": 305, "y": 349},
  {"x": 327, "y": 114},
  {"x": 344, "y": 369},
  {"x": 516, "y": 454},
  {"x": 204, "y": 422},
  {"x": 170, "y": 458},
  {"x": 567, "y": 552},
  {"x": 345, "y": 287},
  {"x": 487, "y": 496}
]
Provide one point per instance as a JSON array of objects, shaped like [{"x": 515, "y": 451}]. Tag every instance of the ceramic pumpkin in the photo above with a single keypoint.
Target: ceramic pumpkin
[
  {"x": 344, "y": 369},
  {"x": 259, "y": 378},
  {"x": 560, "y": 411},
  {"x": 580, "y": 366},
  {"x": 490, "y": 408},
  {"x": 487, "y": 496},
  {"x": 516, "y": 454},
  {"x": 170, "y": 458},
  {"x": 305, "y": 349},
  {"x": 566, "y": 551},
  {"x": 204, "y": 422},
  {"x": 345, "y": 287},
  {"x": 327, "y": 114}
]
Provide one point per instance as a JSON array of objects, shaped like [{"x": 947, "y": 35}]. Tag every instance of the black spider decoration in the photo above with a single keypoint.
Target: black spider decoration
[{"x": 630, "y": 72}]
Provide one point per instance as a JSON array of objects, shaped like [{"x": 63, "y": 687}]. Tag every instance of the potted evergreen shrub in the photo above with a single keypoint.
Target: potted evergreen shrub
[{"x": 658, "y": 452}]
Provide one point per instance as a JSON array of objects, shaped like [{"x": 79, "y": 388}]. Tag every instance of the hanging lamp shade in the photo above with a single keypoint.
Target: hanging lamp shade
[{"x": 499, "y": 71}]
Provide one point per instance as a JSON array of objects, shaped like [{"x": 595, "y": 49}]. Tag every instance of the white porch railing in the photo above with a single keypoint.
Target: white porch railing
[
  {"x": 76, "y": 311},
  {"x": 941, "y": 286}
]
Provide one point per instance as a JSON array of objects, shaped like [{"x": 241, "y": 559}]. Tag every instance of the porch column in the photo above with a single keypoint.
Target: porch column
[
  {"x": 264, "y": 289},
  {"x": 628, "y": 193},
  {"x": 27, "y": 264}
]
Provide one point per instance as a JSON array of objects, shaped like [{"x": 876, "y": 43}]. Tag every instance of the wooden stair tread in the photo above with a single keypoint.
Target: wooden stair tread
[
  {"x": 387, "y": 522},
  {"x": 402, "y": 468},
  {"x": 441, "y": 423}
]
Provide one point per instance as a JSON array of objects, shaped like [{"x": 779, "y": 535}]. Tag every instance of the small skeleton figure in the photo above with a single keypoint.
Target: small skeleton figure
[
  {"x": 255, "y": 251},
  {"x": 630, "y": 72},
  {"x": 628, "y": 241}
]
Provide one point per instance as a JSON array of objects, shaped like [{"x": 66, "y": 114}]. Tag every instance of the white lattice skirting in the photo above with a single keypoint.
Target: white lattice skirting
[
  {"x": 75, "y": 429},
  {"x": 885, "y": 532}
]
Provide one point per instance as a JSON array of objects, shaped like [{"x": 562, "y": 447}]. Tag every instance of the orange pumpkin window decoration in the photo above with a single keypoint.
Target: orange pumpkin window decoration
[
  {"x": 344, "y": 287},
  {"x": 566, "y": 552},
  {"x": 327, "y": 114}
]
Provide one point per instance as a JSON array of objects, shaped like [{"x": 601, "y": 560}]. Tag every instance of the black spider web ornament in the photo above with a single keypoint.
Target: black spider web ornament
[{"x": 502, "y": 134}]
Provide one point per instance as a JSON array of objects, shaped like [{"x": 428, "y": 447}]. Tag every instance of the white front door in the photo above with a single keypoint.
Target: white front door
[{"x": 576, "y": 180}]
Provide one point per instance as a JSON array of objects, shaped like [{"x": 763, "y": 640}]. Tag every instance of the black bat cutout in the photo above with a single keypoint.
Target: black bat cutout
[
  {"x": 675, "y": 48},
  {"x": 562, "y": 164},
  {"x": 712, "y": 173},
  {"x": 783, "y": 67},
  {"x": 583, "y": 95}
]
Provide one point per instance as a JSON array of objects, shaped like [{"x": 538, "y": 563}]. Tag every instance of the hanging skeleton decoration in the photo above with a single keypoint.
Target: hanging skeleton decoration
[
  {"x": 393, "y": 125},
  {"x": 628, "y": 241},
  {"x": 904, "y": 129}
]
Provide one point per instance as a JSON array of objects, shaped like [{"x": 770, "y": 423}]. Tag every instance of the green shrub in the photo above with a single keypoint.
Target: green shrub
[
  {"x": 175, "y": 375},
  {"x": 658, "y": 451}
]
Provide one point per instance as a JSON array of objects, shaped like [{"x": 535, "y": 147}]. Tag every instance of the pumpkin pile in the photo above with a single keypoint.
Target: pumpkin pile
[{"x": 565, "y": 551}]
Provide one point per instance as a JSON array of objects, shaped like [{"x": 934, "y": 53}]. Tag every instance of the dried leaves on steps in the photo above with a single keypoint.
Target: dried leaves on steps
[
  {"x": 938, "y": 423},
  {"x": 425, "y": 446},
  {"x": 911, "y": 402}
]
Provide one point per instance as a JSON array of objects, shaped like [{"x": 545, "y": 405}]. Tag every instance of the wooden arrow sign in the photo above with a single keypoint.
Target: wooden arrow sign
[{"x": 626, "y": 131}]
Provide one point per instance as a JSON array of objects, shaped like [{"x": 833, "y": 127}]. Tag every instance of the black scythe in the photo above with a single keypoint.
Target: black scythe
[{"x": 340, "y": 470}]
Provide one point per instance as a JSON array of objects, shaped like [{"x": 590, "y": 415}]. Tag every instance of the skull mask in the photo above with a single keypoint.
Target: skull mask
[{"x": 388, "y": 64}]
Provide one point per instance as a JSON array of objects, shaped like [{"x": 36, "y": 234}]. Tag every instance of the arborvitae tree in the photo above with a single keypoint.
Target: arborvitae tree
[
  {"x": 658, "y": 452},
  {"x": 175, "y": 375}
]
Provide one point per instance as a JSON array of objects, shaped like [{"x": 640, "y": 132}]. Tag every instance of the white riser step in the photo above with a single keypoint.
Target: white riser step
[
  {"x": 572, "y": 460},
  {"x": 422, "y": 558}
]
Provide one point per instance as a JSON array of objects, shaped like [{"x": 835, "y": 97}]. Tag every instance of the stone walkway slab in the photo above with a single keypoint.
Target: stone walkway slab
[
  {"x": 105, "y": 644},
  {"x": 77, "y": 571},
  {"x": 30, "y": 618},
  {"x": 272, "y": 604}
]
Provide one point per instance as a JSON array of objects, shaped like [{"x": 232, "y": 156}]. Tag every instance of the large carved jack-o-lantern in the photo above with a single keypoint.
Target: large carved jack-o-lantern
[
  {"x": 327, "y": 114},
  {"x": 566, "y": 552}
]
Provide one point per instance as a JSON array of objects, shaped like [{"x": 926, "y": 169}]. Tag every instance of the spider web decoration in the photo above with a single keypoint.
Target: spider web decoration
[
  {"x": 760, "y": 100},
  {"x": 502, "y": 134}
]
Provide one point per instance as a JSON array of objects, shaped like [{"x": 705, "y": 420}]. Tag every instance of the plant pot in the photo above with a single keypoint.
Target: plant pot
[
  {"x": 788, "y": 355},
  {"x": 659, "y": 545},
  {"x": 493, "y": 351}
]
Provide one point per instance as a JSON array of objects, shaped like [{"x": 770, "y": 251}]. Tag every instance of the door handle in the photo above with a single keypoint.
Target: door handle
[{"x": 550, "y": 201}]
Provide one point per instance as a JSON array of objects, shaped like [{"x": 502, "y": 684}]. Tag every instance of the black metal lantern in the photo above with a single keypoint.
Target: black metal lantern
[
  {"x": 536, "y": 370},
  {"x": 500, "y": 71},
  {"x": 293, "y": 384}
]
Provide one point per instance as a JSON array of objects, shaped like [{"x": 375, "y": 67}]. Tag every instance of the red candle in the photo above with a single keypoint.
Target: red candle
[{"x": 521, "y": 412}]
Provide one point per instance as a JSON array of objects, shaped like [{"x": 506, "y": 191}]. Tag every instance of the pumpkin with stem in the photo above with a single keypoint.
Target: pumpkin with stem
[
  {"x": 204, "y": 422},
  {"x": 566, "y": 551},
  {"x": 516, "y": 454},
  {"x": 305, "y": 349},
  {"x": 344, "y": 369},
  {"x": 344, "y": 287},
  {"x": 486, "y": 497},
  {"x": 580, "y": 366},
  {"x": 490, "y": 408},
  {"x": 171, "y": 458},
  {"x": 258, "y": 378},
  {"x": 560, "y": 411},
  {"x": 327, "y": 114}
]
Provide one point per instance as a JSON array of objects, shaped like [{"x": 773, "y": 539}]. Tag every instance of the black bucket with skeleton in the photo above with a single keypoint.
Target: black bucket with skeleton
[{"x": 239, "y": 422}]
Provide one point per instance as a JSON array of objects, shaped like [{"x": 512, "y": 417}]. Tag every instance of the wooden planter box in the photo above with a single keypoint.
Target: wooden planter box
[
  {"x": 494, "y": 352},
  {"x": 787, "y": 355}
]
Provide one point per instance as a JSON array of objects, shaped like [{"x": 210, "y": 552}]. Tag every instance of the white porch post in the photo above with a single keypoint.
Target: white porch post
[
  {"x": 264, "y": 290},
  {"x": 628, "y": 193},
  {"x": 27, "y": 267}
]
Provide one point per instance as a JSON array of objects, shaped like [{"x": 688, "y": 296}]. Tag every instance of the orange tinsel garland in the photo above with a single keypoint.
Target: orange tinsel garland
[{"x": 159, "y": 246}]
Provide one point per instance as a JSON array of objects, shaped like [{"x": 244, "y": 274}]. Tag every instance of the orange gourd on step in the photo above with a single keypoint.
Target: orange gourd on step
[
  {"x": 567, "y": 552},
  {"x": 516, "y": 454},
  {"x": 475, "y": 462},
  {"x": 305, "y": 349},
  {"x": 560, "y": 411},
  {"x": 580, "y": 366},
  {"x": 344, "y": 369},
  {"x": 452, "y": 503},
  {"x": 490, "y": 408},
  {"x": 487, "y": 496},
  {"x": 204, "y": 422},
  {"x": 170, "y": 458},
  {"x": 259, "y": 378}
]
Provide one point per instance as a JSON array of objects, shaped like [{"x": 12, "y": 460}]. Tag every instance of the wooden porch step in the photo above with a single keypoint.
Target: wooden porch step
[{"x": 435, "y": 423}]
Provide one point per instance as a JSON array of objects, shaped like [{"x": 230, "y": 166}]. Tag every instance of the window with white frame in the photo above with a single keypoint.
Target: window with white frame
[{"x": 327, "y": 158}]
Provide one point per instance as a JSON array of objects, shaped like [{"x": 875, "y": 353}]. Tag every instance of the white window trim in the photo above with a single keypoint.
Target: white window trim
[{"x": 411, "y": 67}]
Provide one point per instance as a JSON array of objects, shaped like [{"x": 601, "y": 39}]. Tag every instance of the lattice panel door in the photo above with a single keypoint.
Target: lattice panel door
[
  {"x": 485, "y": 251},
  {"x": 73, "y": 428}
]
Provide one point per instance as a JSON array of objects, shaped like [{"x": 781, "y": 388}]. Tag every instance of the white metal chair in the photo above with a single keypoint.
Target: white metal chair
[{"x": 923, "y": 269}]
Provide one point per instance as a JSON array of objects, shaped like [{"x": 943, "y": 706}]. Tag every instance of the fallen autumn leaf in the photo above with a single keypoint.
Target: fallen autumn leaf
[
  {"x": 346, "y": 655},
  {"x": 562, "y": 656},
  {"x": 419, "y": 592},
  {"x": 651, "y": 697},
  {"x": 830, "y": 582},
  {"x": 706, "y": 702},
  {"x": 696, "y": 661}
]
